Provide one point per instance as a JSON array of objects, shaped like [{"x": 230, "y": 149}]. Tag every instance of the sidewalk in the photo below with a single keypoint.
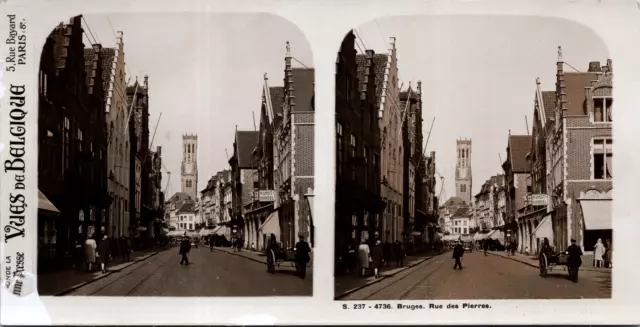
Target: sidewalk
[
  {"x": 533, "y": 261},
  {"x": 64, "y": 281},
  {"x": 252, "y": 255},
  {"x": 347, "y": 284}
]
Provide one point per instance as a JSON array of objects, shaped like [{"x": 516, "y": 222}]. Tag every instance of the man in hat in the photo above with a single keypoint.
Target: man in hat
[
  {"x": 574, "y": 260},
  {"x": 302, "y": 257},
  {"x": 458, "y": 252}
]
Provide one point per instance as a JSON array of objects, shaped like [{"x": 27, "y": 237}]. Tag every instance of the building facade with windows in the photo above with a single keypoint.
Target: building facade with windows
[
  {"x": 580, "y": 182},
  {"x": 357, "y": 199},
  {"x": 72, "y": 134}
]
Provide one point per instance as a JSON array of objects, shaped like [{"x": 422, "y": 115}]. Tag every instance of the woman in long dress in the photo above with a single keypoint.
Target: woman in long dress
[
  {"x": 598, "y": 254},
  {"x": 376, "y": 258},
  {"x": 90, "y": 251},
  {"x": 363, "y": 254},
  {"x": 609, "y": 255}
]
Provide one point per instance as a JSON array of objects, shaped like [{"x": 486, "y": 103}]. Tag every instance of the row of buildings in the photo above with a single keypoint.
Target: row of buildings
[
  {"x": 268, "y": 186},
  {"x": 557, "y": 180},
  {"x": 385, "y": 183},
  {"x": 96, "y": 172}
]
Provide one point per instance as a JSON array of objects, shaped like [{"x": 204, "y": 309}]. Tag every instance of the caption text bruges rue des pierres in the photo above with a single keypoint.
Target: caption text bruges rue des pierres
[{"x": 411, "y": 307}]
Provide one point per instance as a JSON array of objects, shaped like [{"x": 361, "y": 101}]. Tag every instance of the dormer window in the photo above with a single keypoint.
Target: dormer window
[{"x": 602, "y": 109}]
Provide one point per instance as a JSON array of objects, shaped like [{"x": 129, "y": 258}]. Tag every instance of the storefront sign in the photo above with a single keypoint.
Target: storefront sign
[
  {"x": 266, "y": 195},
  {"x": 537, "y": 199}
]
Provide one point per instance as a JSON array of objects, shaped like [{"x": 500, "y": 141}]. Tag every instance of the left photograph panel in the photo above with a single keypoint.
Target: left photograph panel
[{"x": 175, "y": 156}]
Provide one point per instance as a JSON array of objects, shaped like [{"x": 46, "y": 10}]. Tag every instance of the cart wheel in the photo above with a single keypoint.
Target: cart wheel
[{"x": 543, "y": 265}]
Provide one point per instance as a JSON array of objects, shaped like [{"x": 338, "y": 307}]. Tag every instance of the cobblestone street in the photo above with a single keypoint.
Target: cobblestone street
[
  {"x": 210, "y": 273},
  {"x": 483, "y": 277}
]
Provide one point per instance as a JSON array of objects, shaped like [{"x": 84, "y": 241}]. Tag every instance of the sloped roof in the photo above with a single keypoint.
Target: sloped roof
[
  {"x": 549, "y": 102},
  {"x": 211, "y": 184},
  {"x": 461, "y": 212},
  {"x": 380, "y": 61},
  {"x": 454, "y": 200},
  {"x": 179, "y": 196},
  {"x": 519, "y": 146},
  {"x": 246, "y": 141},
  {"x": 574, "y": 87},
  {"x": 108, "y": 54},
  {"x": 361, "y": 69},
  {"x": 88, "y": 63},
  {"x": 303, "y": 88},
  {"x": 277, "y": 98},
  {"x": 188, "y": 207}
]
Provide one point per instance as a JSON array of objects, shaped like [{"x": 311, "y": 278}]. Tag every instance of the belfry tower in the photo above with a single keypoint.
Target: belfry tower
[
  {"x": 463, "y": 170},
  {"x": 189, "y": 169}
]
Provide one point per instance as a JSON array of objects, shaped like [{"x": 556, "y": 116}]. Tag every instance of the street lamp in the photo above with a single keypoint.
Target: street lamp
[{"x": 309, "y": 198}]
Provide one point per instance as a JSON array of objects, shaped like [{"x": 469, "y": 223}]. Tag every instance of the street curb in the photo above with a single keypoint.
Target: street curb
[
  {"x": 516, "y": 260},
  {"x": 77, "y": 286},
  {"x": 355, "y": 289},
  {"x": 242, "y": 256}
]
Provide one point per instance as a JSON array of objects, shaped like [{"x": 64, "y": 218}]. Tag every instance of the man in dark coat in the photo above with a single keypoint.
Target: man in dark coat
[
  {"x": 302, "y": 257},
  {"x": 485, "y": 246},
  {"x": 399, "y": 253},
  {"x": 185, "y": 247},
  {"x": 574, "y": 260},
  {"x": 458, "y": 252}
]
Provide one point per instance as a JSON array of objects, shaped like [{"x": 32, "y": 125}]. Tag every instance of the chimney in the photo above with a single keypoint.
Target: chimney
[
  {"x": 609, "y": 66},
  {"x": 146, "y": 82},
  {"x": 594, "y": 66}
]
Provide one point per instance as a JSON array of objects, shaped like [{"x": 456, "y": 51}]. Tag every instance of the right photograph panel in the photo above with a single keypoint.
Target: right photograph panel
[{"x": 473, "y": 160}]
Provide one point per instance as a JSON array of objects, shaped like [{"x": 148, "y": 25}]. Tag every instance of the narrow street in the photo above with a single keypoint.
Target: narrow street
[
  {"x": 483, "y": 277},
  {"x": 210, "y": 273}
]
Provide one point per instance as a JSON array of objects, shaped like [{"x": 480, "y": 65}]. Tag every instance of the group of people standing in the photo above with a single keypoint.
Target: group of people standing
[
  {"x": 100, "y": 252},
  {"x": 373, "y": 258},
  {"x": 603, "y": 254}
]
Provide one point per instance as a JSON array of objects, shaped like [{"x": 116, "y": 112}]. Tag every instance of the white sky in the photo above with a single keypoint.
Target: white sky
[
  {"x": 205, "y": 76},
  {"x": 478, "y": 77}
]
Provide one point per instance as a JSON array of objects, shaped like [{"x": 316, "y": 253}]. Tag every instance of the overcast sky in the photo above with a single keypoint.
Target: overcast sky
[
  {"x": 478, "y": 77},
  {"x": 205, "y": 75}
]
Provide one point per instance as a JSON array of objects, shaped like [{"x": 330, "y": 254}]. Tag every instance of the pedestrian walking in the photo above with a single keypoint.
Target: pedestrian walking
[
  {"x": 90, "y": 247},
  {"x": 574, "y": 260},
  {"x": 485, "y": 246},
  {"x": 185, "y": 247},
  {"x": 78, "y": 252},
  {"x": 104, "y": 253},
  {"x": 363, "y": 254},
  {"x": 302, "y": 256},
  {"x": 608, "y": 256},
  {"x": 387, "y": 250},
  {"x": 598, "y": 254},
  {"x": 458, "y": 252},
  {"x": 376, "y": 258},
  {"x": 399, "y": 253}
]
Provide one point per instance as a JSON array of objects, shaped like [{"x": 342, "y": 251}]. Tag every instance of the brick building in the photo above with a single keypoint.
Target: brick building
[
  {"x": 516, "y": 171},
  {"x": 294, "y": 134},
  {"x": 117, "y": 111},
  {"x": 72, "y": 138},
  {"x": 140, "y": 195},
  {"x": 244, "y": 177},
  {"x": 391, "y": 155},
  {"x": 580, "y": 148},
  {"x": 358, "y": 201}
]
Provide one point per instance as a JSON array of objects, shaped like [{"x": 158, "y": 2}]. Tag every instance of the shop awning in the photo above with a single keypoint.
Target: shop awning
[
  {"x": 222, "y": 230},
  {"x": 596, "y": 213},
  {"x": 479, "y": 236},
  {"x": 174, "y": 233},
  {"x": 206, "y": 232},
  {"x": 45, "y": 205},
  {"x": 544, "y": 229},
  {"x": 496, "y": 234},
  {"x": 271, "y": 225}
]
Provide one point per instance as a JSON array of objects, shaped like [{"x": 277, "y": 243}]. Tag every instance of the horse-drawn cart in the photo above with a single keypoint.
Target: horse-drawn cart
[
  {"x": 548, "y": 261},
  {"x": 277, "y": 257}
]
